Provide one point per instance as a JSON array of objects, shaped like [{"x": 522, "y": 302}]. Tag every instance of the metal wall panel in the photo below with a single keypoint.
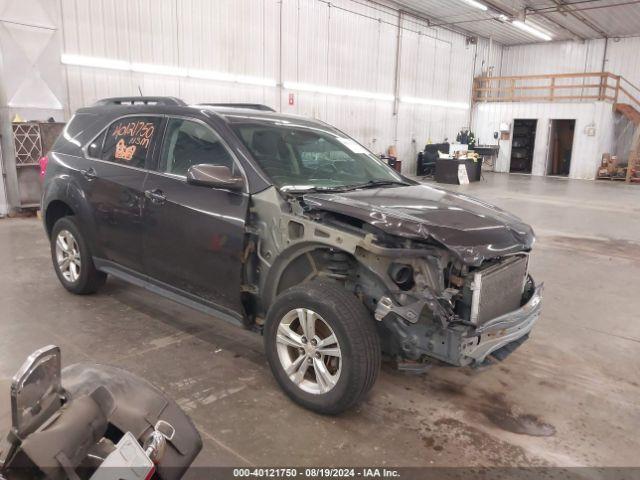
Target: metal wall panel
[
  {"x": 346, "y": 45},
  {"x": 230, "y": 36},
  {"x": 343, "y": 43},
  {"x": 571, "y": 57},
  {"x": 436, "y": 64},
  {"x": 574, "y": 57},
  {"x": 358, "y": 51},
  {"x": 587, "y": 150},
  {"x": 623, "y": 59},
  {"x": 31, "y": 85},
  {"x": 488, "y": 58},
  {"x": 559, "y": 57}
]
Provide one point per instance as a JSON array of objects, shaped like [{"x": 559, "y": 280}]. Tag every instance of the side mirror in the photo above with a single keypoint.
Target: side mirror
[
  {"x": 216, "y": 176},
  {"x": 36, "y": 391}
]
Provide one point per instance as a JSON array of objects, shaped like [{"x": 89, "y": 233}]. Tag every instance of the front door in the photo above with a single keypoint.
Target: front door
[
  {"x": 114, "y": 179},
  {"x": 194, "y": 235}
]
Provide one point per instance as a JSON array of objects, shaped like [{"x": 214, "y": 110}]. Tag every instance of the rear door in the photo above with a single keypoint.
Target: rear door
[
  {"x": 194, "y": 235},
  {"x": 114, "y": 178}
]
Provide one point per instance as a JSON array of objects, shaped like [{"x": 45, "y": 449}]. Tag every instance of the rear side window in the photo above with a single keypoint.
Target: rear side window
[
  {"x": 95, "y": 148},
  {"x": 129, "y": 140}
]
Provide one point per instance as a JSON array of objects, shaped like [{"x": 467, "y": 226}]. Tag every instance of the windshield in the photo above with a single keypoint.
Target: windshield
[{"x": 298, "y": 158}]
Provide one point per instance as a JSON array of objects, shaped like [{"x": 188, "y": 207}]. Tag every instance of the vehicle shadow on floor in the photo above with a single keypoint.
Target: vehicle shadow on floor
[{"x": 212, "y": 330}]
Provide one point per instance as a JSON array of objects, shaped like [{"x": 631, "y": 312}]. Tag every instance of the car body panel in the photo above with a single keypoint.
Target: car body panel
[
  {"x": 194, "y": 240},
  {"x": 474, "y": 230},
  {"x": 116, "y": 199}
]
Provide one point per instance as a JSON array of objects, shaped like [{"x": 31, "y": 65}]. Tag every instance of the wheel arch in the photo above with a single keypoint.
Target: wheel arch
[
  {"x": 289, "y": 269},
  {"x": 56, "y": 209},
  {"x": 287, "y": 261}
]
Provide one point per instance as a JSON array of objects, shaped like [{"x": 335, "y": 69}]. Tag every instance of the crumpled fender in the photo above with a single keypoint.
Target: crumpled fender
[{"x": 473, "y": 230}]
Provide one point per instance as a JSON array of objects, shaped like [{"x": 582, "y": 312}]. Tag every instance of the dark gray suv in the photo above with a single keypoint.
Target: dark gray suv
[{"x": 286, "y": 226}]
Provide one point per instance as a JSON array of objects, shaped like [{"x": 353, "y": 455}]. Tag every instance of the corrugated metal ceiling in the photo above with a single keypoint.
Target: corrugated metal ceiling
[{"x": 564, "y": 19}]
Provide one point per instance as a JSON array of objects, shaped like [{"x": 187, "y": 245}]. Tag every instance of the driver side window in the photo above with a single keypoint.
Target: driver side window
[{"x": 189, "y": 143}]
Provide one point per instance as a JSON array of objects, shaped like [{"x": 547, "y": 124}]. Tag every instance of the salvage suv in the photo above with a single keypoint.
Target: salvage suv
[{"x": 286, "y": 226}]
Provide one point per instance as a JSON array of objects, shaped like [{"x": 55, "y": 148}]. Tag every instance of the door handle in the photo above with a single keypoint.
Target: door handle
[
  {"x": 89, "y": 173},
  {"x": 156, "y": 196}
]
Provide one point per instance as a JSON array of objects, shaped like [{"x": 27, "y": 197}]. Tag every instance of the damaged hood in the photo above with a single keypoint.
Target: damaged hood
[{"x": 471, "y": 229}]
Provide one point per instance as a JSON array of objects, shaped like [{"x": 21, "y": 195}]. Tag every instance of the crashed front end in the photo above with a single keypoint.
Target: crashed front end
[
  {"x": 448, "y": 292},
  {"x": 489, "y": 310}
]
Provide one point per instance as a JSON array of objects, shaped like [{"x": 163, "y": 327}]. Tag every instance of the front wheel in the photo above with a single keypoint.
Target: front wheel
[{"x": 322, "y": 346}]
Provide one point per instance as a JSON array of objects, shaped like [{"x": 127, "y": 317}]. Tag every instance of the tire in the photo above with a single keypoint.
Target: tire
[
  {"x": 351, "y": 375},
  {"x": 82, "y": 279}
]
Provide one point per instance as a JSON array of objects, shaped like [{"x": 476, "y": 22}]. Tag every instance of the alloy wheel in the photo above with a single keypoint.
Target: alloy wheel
[
  {"x": 309, "y": 351},
  {"x": 68, "y": 256}
]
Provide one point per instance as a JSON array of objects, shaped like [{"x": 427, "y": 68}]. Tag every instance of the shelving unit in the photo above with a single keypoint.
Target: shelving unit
[{"x": 524, "y": 139}]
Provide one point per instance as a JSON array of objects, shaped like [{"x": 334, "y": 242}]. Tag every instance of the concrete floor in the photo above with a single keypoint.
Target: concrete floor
[{"x": 577, "y": 381}]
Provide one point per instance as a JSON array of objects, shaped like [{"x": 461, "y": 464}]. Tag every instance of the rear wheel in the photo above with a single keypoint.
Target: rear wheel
[
  {"x": 72, "y": 258},
  {"x": 322, "y": 346}
]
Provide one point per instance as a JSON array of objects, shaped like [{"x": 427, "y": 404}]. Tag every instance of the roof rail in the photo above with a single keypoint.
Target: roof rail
[
  {"x": 140, "y": 101},
  {"x": 250, "y": 106}
]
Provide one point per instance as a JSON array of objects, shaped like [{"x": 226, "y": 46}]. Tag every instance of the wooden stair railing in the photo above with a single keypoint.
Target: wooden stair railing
[
  {"x": 628, "y": 111},
  {"x": 628, "y": 92},
  {"x": 595, "y": 86}
]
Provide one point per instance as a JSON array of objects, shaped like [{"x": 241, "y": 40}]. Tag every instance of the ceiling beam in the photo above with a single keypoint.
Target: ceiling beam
[
  {"x": 512, "y": 14},
  {"x": 550, "y": 19},
  {"x": 563, "y": 7},
  {"x": 497, "y": 8},
  {"x": 431, "y": 21}
]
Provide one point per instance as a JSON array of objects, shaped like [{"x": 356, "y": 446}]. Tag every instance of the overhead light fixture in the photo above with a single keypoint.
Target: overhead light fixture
[
  {"x": 158, "y": 69},
  {"x": 228, "y": 77},
  {"x": 535, "y": 31},
  {"x": 344, "y": 92},
  {"x": 209, "y": 75},
  {"x": 435, "y": 103},
  {"x": 166, "y": 70},
  {"x": 475, "y": 4},
  {"x": 94, "y": 62},
  {"x": 260, "y": 81}
]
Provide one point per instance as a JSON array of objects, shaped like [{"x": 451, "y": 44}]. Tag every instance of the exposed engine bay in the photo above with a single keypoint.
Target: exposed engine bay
[{"x": 452, "y": 293}]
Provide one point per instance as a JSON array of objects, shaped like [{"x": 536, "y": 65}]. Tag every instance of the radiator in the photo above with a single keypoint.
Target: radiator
[{"x": 498, "y": 289}]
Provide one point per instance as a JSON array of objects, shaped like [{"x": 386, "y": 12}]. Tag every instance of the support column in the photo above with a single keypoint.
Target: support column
[{"x": 396, "y": 78}]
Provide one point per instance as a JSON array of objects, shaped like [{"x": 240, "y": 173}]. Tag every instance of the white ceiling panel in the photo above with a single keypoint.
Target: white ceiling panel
[{"x": 563, "y": 19}]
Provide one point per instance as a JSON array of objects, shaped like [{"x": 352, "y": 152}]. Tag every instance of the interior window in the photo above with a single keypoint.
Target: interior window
[
  {"x": 129, "y": 140},
  {"x": 190, "y": 143}
]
